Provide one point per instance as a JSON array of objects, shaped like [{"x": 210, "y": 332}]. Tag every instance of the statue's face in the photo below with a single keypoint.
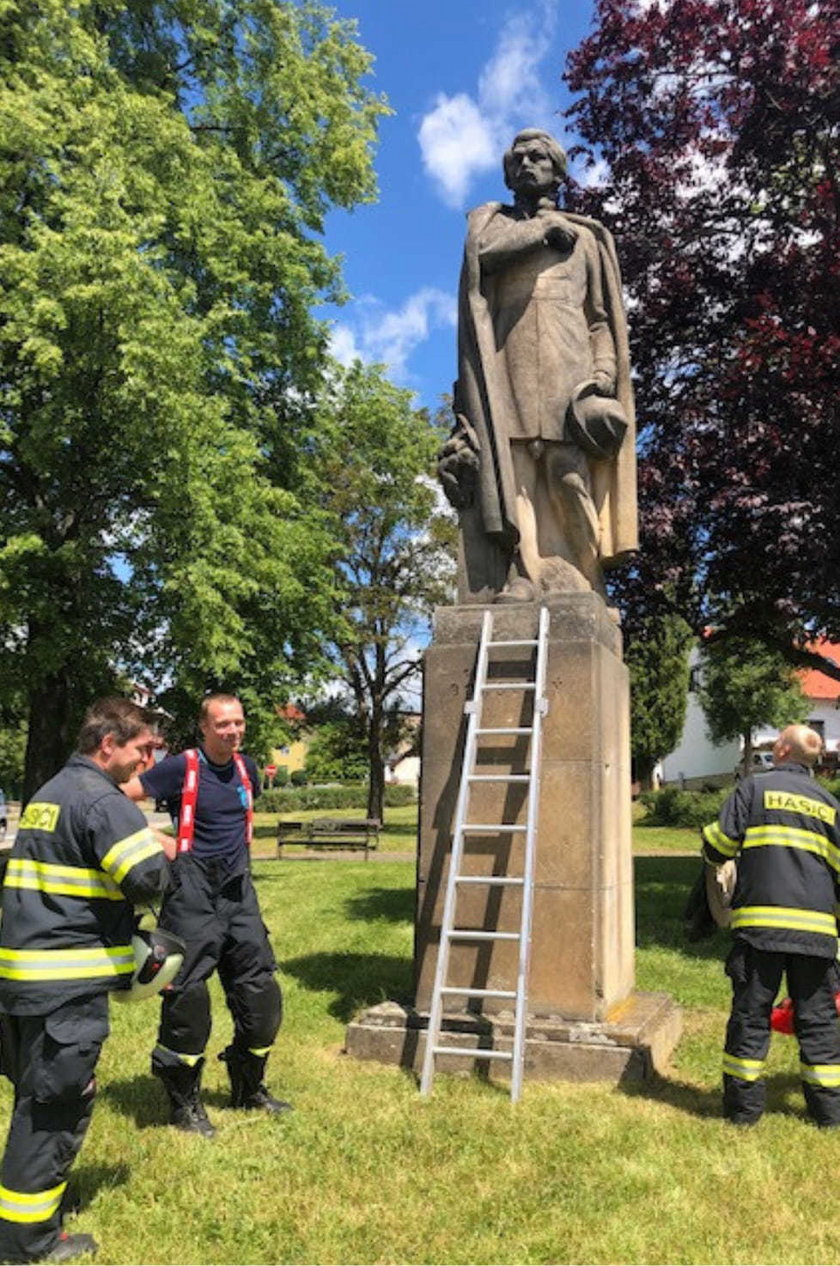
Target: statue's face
[{"x": 532, "y": 171}]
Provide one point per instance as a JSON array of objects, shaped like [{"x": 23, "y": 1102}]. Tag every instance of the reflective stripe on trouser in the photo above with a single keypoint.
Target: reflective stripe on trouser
[
  {"x": 51, "y": 1061},
  {"x": 219, "y": 919},
  {"x": 756, "y": 977}
]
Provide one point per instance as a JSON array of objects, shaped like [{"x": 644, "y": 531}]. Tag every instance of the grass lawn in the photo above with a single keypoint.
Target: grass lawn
[{"x": 365, "y": 1171}]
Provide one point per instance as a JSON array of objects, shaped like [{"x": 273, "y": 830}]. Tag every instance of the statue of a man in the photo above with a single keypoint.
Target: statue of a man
[{"x": 541, "y": 461}]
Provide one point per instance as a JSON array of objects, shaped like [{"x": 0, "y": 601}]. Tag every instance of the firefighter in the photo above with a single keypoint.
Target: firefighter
[
  {"x": 213, "y": 907},
  {"x": 82, "y": 858},
  {"x": 783, "y": 827}
]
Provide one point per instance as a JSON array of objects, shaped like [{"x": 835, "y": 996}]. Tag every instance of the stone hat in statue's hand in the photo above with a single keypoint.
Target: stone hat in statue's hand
[{"x": 597, "y": 423}]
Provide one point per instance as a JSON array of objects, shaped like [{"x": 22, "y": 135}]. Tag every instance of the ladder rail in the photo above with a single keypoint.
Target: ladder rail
[{"x": 520, "y": 1008}]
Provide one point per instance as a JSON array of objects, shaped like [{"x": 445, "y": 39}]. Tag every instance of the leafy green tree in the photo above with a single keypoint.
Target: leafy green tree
[
  {"x": 165, "y": 170},
  {"x": 397, "y": 547},
  {"x": 657, "y": 656},
  {"x": 743, "y": 685}
]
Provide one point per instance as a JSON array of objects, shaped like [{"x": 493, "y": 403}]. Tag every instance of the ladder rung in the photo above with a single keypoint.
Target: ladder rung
[
  {"x": 509, "y": 685},
  {"x": 479, "y": 993},
  {"x": 506, "y": 729},
  {"x": 499, "y": 777},
  {"x": 474, "y": 1052},
  {"x": 488, "y": 828},
  {"x": 467, "y": 934},
  {"x": 496, "y": 881},
  {"x": 528, "y": 641}
]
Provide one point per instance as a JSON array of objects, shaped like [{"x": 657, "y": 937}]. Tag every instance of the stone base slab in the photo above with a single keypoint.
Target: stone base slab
[{"x": 633, "y": 1043}]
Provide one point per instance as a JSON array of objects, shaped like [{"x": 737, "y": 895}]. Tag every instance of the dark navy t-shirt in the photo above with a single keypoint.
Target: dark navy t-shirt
[{"x": 220, "y": 808}]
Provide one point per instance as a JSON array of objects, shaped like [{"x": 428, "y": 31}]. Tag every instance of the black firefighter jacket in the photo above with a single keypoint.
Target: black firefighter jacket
[
  {"x": 783, "y": 827},
  {"x": 83, "y": 856}
]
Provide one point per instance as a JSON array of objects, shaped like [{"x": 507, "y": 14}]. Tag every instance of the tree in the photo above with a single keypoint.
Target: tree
[
  {"x": 165, "y": 170},
  {"x": 657, "y": 656},
  {"x": 396, "y": 558},
  {"x": 718, "y": 122},
  {"x": 744, "y": 685}
]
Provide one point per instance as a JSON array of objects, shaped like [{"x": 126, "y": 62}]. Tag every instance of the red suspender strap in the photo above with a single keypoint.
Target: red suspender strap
[
  {"x": 189, "y": 796},
  {"x": 249, "y": 797}
]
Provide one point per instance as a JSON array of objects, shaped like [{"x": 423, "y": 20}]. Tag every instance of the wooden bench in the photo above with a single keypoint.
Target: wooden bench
[{"x": 330, "y": 833}]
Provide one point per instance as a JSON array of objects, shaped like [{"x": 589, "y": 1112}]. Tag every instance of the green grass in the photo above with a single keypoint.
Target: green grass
[{"x": 365, "y": 1171}]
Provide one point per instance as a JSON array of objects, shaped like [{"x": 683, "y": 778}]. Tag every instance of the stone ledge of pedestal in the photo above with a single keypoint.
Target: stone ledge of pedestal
[{"x": 633, "y": 1044}]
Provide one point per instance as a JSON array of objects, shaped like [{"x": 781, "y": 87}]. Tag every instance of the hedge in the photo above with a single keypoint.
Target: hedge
[
  {"x": 671, "y": 806},
  {"x": 354, "y": 796}
]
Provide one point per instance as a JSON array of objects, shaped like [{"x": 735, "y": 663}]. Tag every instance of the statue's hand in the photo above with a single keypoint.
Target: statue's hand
[
  {"x": 560, "y": 236},
  {"x": 604, "y": 382},
  {"x": 458, "y": 464}
]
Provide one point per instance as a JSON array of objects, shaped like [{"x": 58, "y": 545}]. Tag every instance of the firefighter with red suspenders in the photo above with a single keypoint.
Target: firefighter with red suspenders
[{"x": 213, "y": 907}]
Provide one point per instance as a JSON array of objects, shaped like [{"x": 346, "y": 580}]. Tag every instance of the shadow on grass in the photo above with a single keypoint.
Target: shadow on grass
[
  {"x": 360, "y": 980},
  {"x": 662, "y": 885},
  {"x": 141, "y": 1098},
  {"x": 784, "y": 1097},
  {"x": 87, "y": 1180},
  {"x": 394, "y": 904}
]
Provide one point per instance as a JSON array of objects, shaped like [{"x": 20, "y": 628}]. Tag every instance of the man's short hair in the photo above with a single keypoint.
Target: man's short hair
[
  {"x": 554, "y": 149},
  {"x": 112, "y": 715},
  {"x": 805, "y": 744},
  {"x": 220, "y": 697}
]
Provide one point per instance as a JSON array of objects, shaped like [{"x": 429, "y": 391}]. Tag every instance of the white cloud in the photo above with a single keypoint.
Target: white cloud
[
  {"x": 389, "y": 337},
  {"x": 463, "y": 135},
  {"x": 343, "y": 345},
  {"x": 456, "y": 141}
]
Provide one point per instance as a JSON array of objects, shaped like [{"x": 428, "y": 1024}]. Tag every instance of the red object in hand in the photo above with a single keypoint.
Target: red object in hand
[{"x": 781, "y": 1017}]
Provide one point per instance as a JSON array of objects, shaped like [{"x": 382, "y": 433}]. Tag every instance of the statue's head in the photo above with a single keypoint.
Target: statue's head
[{"x": 535, "y": 163}]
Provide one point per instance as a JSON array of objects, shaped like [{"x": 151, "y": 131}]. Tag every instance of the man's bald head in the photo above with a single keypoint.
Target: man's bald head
[{"x": 797, "y": 743}]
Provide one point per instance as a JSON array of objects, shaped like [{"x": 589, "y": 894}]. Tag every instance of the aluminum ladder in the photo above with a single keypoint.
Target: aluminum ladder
[{"x": 449, "y": 931}]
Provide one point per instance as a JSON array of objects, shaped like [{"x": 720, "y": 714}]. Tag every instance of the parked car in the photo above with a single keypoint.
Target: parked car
[
  {"x": 760, "y": 763},
  {"x": 4, "y": 821}
]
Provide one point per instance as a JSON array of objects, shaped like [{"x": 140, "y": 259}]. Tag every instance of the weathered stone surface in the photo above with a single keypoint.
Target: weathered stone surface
[
  {"x": 630, "y": 1045},
  {"x": 582, "y": 945}
]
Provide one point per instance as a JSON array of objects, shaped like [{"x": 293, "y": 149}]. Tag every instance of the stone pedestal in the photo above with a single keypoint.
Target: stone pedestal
[{"x": 585, "y": 1020}]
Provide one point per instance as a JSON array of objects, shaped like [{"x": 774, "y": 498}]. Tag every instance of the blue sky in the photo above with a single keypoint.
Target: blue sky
[{"x": 462, "y": 76}]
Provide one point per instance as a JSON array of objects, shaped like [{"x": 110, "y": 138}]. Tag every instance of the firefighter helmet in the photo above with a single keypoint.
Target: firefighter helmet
[{"x": 158, "y": 956}]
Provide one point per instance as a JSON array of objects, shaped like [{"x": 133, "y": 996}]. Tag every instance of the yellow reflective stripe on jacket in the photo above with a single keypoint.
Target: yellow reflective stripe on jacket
[
  {"x": 65, "y": 881},
  {"x": 39, "y": 816},
  {"x": 784, "y": 917},
  {"x": 772, "y": 833},
  {"x": 820, "y": 1074},
  {"x": 717, "y": 840},
  {"x": 744, "y": 1069},
  {"x": 259, "y": 1051},
  {"x": 128, "y": 852},
  {"x": 66, "y": 964},
  {"x": 789, "y": 802},
  {"x": 30, "y": 1206}
]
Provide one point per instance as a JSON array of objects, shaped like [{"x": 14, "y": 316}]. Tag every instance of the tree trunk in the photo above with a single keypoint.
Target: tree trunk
[
  {"x": 50, "y": 739},
  {"x": 376, "y": 766},
  {"x": 644, "y": 771},
  {"x": 746, "y": 758}
]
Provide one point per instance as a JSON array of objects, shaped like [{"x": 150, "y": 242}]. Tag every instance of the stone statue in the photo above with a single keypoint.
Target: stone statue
[{"x": 541, "y": 460}]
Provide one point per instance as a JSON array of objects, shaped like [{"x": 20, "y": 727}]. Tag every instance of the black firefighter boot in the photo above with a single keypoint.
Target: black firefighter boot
[
  {"x": 247, "y": 1089},
  {"x": 183, "y": 1086}
]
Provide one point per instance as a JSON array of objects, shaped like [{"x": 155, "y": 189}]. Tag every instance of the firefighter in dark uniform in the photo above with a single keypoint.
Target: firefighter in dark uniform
[
  {"x": 783, "y": 827},
  {"x": 213, "y": 907},
  {"x": 83, "y": 857}
]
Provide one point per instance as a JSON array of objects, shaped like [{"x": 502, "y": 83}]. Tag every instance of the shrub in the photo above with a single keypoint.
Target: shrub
[
  {"x": 397, "y": 794},
  {"x": 281, "y": 777},
  {"x": 672, "y": 806},
  {"x": 352, "y": 796},
  {"x": 299, "y": 778}
]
